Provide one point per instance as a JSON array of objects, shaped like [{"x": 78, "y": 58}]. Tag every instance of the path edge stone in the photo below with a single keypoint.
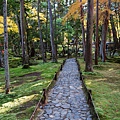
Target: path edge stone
[
  {"x": 37, "y": 111},
  {"x": 88, "y": 95}
]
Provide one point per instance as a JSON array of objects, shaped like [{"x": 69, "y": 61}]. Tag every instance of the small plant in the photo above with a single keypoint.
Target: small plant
[{"x": 91, "y": 73}]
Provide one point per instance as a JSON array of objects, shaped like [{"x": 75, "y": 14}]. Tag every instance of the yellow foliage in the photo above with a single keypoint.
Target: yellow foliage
[
  {"x": 74, "y": 11},
  {"x": 115, "y": 0},
  {"x": 103, "y": 1},
  {"x": 33, "y": 15},
  {"x": 76, "y": 16},
  {"x": 104, "y": 14},
  {"x": 36, "y": 39},
  {"x": 11, "y": 25}
]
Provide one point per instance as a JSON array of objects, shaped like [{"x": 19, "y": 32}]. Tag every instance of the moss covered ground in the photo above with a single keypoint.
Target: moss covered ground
[
  {"x": 105, "y": 85},
  {"x": 27, "y": 84},
  {"x": 25, "y": 89}
]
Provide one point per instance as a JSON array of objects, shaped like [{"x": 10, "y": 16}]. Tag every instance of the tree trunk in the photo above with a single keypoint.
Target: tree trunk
[
  {"x": 96, "y": 43},
  {"x": 103, "y": 42},
  {"x": 54, "y": 57},
  {"x": 6, "y": 63},
  {"x": 88, "y": 53},
  {"x": 0, "y": 58},
  {"x": 68, "y": 49},
  {"x": 19, "y": 30},
  {"x": 40, "y": 33},
  {"x": 25, "y": 56},
  {"x": 76, "y": 44},
  {"x": 55, "y": 22},
  {"x": 47, "y": 35},
  {"x": 104, "y": 37},
  {"x": 55, "y": 29},
  {"x": 83, "y": 30},
  {"x": 115, "y": 39}
]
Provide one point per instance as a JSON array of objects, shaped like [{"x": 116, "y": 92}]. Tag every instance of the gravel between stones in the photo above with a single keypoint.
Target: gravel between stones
[{"x": 67, "y": 101}]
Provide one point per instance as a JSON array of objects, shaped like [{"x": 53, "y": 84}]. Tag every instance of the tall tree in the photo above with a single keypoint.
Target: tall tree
[
  {"x": 54, "y": 19},
  {"x": 104, "y": 35},
  {"x": 55, "y": 26},
  {"x": 83, "y": 29},
  {"x": 54, "y": 57},
  {"x": 40, "y": 33},
  {"x": 6, "y": 62},
  {"x": 25, "y": 56},
  {"x": 88, "y": 52},
  {"x": 115, "y": 39},
  {"x": 96, "y": 43}
]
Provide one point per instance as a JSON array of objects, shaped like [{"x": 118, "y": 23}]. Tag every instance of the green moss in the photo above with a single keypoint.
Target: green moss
[
  {"x": 15, "y": 62},
  {"x": 11, "y": 116},
  {"x": 105, "y": 85},
  {"x": 25, "y": 89}
]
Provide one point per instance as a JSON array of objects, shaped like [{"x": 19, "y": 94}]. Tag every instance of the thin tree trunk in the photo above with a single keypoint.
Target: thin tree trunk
[
  {"x": 19, "y": 29},
  {"x": 66, "y": 2},
  {"x": 83, "y": 30},
  {"x": 6, "y": 62},
  {"x": 0, "y": 58},
  {"x": 55, "y": 21},
  {"x": 88, "y": 53},
  {"x": 103, "y": 42},
  {"x": 76, "y": 44},
  {"x": 68, "y": 51},
  {"x": 23, "y": 36},
  {"x": 54, "y": 57},
  {"x": 40, "y": 33},
  {"x": 96, "y": 43},
  {"x": 119, "y": 23},
  {"x": 55, "y": 28},
  {"x": 113, "y": 30},
  {"x": 104, "y": 36},
  {"x": 47, "y": 36}
]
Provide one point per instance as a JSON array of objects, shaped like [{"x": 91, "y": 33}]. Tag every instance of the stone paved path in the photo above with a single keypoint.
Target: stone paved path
[{"x": 66, "y": 100}]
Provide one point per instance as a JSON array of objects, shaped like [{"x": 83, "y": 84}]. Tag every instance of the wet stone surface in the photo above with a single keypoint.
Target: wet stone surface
[{"x": 66, "y": 101}]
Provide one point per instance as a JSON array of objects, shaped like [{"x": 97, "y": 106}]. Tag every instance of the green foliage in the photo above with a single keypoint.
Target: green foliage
[
  {"x": 11, "y": 116},
  {"x": 15, "y": 62},
  {"x": 98, "y": 67},
  {"x": 101, "y": 112},
  {"x": 115, "y": 60},
  {"x": 91, "y": 73},
  {"x": 1, "y": 69},
  {"x": 44, "y": 4}
]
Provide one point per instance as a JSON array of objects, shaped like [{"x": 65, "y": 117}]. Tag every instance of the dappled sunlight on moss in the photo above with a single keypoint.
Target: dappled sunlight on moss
[
  {"x": 25, "y": 90},
  {"x": 1, "y": 89},
  {"x": 110, "y": 69},
  {"x": 88, "y": 82},
  {"x": 40, "y": 83},
  {"x": 7, "y": 106},
  {"x": 101, "y": 79},
  {"x": 115, "y": 91},
  {"x": 106, "y": 94}
]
